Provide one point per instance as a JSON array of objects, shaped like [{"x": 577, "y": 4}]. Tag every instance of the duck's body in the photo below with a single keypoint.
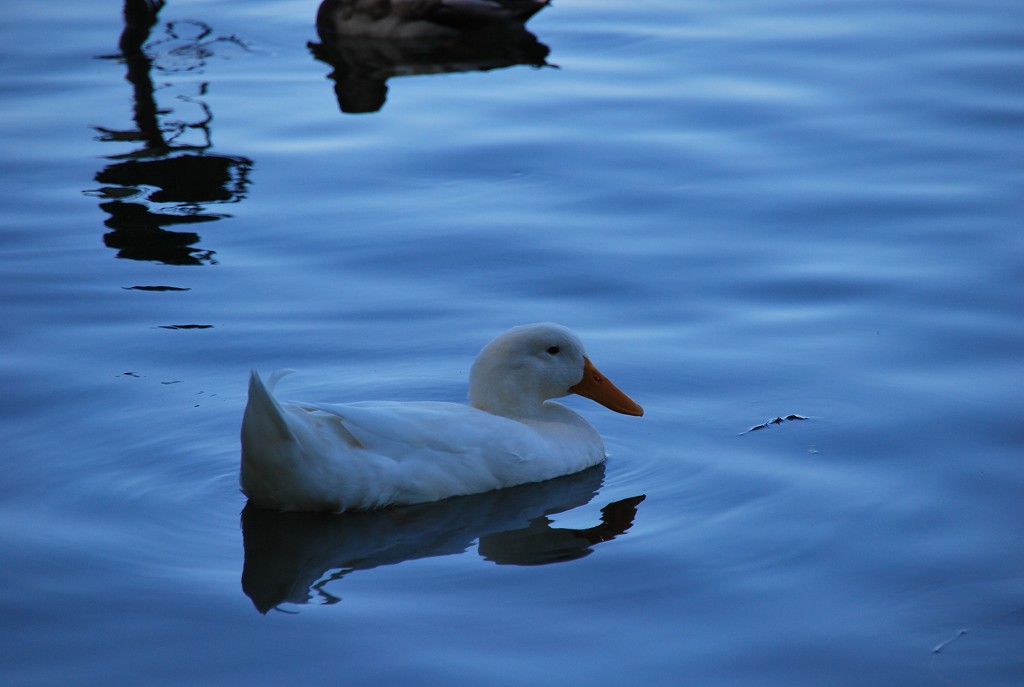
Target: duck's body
[
  {"x": 422, "y": 18},
  {"x": 365, "y": 455},
  {"x": 312, "y": 456}
]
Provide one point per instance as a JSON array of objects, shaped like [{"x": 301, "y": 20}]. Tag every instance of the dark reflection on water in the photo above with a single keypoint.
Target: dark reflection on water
[
  {"x": 362, "y": 64},
  {"x": 166, "y": 182},
  {"x": 289, "y": 556}
]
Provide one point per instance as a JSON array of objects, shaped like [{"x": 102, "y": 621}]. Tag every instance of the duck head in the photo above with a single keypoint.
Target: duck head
[{"x": 527, "y": 365}]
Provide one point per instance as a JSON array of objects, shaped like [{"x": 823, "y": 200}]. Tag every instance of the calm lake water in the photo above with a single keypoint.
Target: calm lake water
[{"x": 748, "y": 210}]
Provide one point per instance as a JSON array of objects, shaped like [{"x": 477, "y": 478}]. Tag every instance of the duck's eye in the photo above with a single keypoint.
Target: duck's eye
[{"x": 554, "y": 350}]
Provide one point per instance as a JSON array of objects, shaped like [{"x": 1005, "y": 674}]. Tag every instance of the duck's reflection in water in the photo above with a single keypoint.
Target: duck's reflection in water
[
  {"x": 167, "y": 181},
  {"x": 367, "y": 42},
  {"x": 292, "y": 557}
]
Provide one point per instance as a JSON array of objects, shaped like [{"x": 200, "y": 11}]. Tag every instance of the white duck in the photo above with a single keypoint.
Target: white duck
[{"x": 354, "y": 456}]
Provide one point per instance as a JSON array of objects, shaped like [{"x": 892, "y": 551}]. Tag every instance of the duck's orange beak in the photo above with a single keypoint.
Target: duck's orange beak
[{"x": 597, "y": 387}]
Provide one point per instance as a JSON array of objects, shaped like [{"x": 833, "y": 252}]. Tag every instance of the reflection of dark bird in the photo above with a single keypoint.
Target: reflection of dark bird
[
  {"x": 163, "y": 183},
  {"x": 139, "y": 234},
  {"x": 290, "y": 556},
  {"x": 369, "y": 41},
  {"x": 182, "y": 183},
  {"x": 139, "y": 18},
  {"x": 181, "y": 179}
]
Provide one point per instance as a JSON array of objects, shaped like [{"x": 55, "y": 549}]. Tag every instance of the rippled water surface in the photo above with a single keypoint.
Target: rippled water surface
[{"x": 748, "y": 210}]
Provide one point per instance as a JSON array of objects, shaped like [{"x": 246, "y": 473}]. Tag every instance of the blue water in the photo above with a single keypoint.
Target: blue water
[{"x": 747, "y": 210}]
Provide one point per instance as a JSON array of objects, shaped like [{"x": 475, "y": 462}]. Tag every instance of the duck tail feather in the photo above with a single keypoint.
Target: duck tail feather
[
  {"x": 263, "y": 409},
  {"x": 275, "y": 377}
]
